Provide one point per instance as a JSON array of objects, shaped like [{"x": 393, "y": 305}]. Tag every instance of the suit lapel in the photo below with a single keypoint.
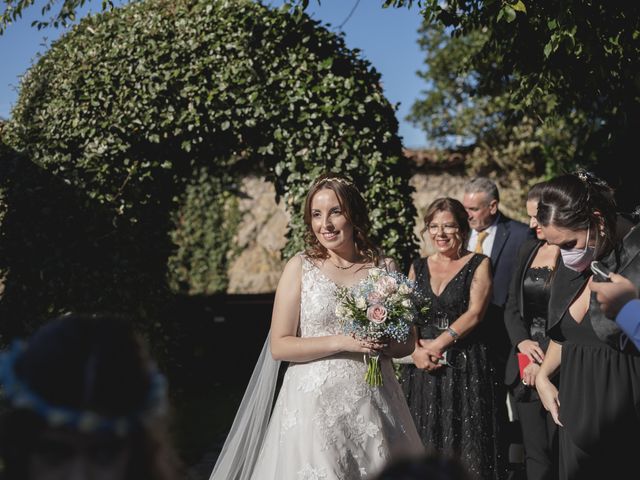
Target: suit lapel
[
  {"x": 502, "y": 233},
  {"x": 566, "y": 285}
]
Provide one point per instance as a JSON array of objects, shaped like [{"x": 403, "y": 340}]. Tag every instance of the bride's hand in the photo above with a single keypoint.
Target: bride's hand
[{"x": 347, "y": 343}]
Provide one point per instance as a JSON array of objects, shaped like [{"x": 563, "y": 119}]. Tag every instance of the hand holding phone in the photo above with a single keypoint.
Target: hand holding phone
[
  {"x": 615, "y": 294},
  {"x": 600, "y": 272}
]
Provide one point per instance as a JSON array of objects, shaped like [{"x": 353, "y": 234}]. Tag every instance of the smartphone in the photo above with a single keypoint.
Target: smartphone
[{"x": 600, "y": 272}]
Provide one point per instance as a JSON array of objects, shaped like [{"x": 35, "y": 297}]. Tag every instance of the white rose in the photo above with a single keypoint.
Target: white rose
[
  {"x": 404, "y": 289},
  {"x": 361, "y": 303},
  {"x": 393, "y": 299},
  {"x": 406, "y": 303},
  {"x": 375, "y": 273}
]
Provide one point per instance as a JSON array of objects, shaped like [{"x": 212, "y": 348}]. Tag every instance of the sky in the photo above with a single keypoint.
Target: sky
[{"x": 386, "y": 37}]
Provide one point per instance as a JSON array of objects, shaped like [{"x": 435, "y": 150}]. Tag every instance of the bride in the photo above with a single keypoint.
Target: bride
[{"x": 327, "y": 422}]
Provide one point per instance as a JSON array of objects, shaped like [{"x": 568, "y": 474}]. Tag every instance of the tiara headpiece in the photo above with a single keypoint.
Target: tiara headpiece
[
  {"x": 20, "y": 395},
  {"x": 340, "y": 180}
]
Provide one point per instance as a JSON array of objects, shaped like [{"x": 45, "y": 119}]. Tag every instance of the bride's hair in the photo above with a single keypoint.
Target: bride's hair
[{"x": 354, "y": 209}]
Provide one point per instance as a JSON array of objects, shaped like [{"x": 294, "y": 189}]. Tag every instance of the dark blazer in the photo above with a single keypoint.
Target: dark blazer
[
  {"x": 517, "y": 327},
  {"x": 510, "y": 235},
  {"x": 625, "y": 260}
]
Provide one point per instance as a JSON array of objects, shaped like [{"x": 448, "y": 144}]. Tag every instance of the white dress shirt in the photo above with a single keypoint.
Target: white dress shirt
[{"x": 487, "y": 245}]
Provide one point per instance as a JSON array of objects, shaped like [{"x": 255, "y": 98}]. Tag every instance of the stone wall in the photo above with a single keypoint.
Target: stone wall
[
  {"x": 261, "y": 236},
  {"x": 262, "y": 233}
]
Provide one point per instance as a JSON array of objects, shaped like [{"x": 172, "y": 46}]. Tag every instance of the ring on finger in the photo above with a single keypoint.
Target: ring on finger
[{"x": 524, "y": 382}]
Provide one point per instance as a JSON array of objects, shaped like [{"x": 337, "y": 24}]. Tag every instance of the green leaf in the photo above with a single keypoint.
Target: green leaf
[
  {"x": 548, "y": 49},
  {"x": 509, "y": 13},
  {"x": 519, "y": 6}
]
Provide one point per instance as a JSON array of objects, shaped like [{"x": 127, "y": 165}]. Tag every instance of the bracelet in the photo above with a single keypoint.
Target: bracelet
[{"x": 453, "y": 334}]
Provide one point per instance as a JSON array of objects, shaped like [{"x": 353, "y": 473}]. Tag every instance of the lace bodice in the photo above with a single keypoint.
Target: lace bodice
[
  {"x": 317, "y": 303},
  {"x": 328, "y": 423}
]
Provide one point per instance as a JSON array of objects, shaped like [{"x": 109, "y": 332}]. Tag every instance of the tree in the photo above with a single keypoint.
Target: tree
[
  {"x": 498, "y": 138},
  {"x": 556, "y": 61},
  {"x": 146, "y": 113},
  {"x": 13, "y": 10}
]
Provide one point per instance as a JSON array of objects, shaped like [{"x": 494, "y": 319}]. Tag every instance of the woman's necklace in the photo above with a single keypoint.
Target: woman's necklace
[{"x": 341, "y": 268}]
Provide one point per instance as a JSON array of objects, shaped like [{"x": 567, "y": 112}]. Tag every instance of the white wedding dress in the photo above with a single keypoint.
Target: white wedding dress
[{"x": 327, "y": 422}]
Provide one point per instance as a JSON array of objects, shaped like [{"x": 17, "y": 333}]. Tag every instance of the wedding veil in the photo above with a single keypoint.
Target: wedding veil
[{"x": 244, "y": 441}]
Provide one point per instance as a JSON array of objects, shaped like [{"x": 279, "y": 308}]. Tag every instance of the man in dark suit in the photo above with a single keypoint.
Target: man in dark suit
[{"x": 499, "y": 237}]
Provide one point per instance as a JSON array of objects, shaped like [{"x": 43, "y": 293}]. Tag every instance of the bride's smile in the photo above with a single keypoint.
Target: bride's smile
[{"x": 329, "y": 223}]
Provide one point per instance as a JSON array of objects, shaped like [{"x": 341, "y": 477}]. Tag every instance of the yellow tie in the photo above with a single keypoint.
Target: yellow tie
[{"x": 481, "y": 236}]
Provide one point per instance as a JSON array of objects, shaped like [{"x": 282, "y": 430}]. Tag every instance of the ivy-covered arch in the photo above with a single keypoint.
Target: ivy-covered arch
[{"x": 151, "y": 108}]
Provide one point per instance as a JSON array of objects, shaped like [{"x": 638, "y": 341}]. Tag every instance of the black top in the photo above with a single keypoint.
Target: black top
[
  {"x": 452, "y": 302},
  {"x": 536, "y": 299},
  {"x": 526, "y": 314}
]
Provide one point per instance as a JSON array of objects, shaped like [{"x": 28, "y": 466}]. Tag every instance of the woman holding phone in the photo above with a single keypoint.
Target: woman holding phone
[{"x": 598, "y": 403}]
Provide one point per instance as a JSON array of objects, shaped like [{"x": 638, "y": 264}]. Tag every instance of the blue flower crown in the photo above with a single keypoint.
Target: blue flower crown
[{"x": 20, "y": 395}]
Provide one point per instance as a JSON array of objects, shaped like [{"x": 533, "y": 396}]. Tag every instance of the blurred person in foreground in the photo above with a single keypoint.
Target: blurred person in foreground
[{"x": 83, "y": 401}]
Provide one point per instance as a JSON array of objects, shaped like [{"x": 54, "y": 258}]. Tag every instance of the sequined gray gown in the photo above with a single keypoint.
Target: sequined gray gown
[
  {"x": 455, "y": 408},
  {"x": 328, "y": 423}
]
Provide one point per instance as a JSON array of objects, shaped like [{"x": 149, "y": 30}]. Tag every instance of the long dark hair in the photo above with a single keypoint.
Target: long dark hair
[
  {"x": 354, "y": 209},
  {"x": 83, "y": 363},
  {"x": 448, "y": 204},
  {"x": 577, "y": 201},
  {"x": 535, "y": 192}
]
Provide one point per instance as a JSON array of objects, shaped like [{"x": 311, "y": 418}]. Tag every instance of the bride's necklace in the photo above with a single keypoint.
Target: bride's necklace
[{"x": 339, "y": 267}]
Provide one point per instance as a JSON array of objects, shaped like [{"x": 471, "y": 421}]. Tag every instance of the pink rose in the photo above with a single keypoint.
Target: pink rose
[
  {"x": 374, "y": 297},
  {"x": 386, "y": 285},
  {"x": 377, "y": 313}
]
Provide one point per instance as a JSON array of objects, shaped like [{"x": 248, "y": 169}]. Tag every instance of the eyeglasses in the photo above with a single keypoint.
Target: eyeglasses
[{"x": 447, "y": 228}]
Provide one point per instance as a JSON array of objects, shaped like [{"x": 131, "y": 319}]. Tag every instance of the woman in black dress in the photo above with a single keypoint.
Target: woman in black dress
[
  {"x": 451, "y": 388},
  {"x": 526, "y": 321},
  {"x": 598, "y": 403}
]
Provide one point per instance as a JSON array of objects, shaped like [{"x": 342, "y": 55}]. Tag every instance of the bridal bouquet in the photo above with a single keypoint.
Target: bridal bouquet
[{"x": 382, "y": 307}]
